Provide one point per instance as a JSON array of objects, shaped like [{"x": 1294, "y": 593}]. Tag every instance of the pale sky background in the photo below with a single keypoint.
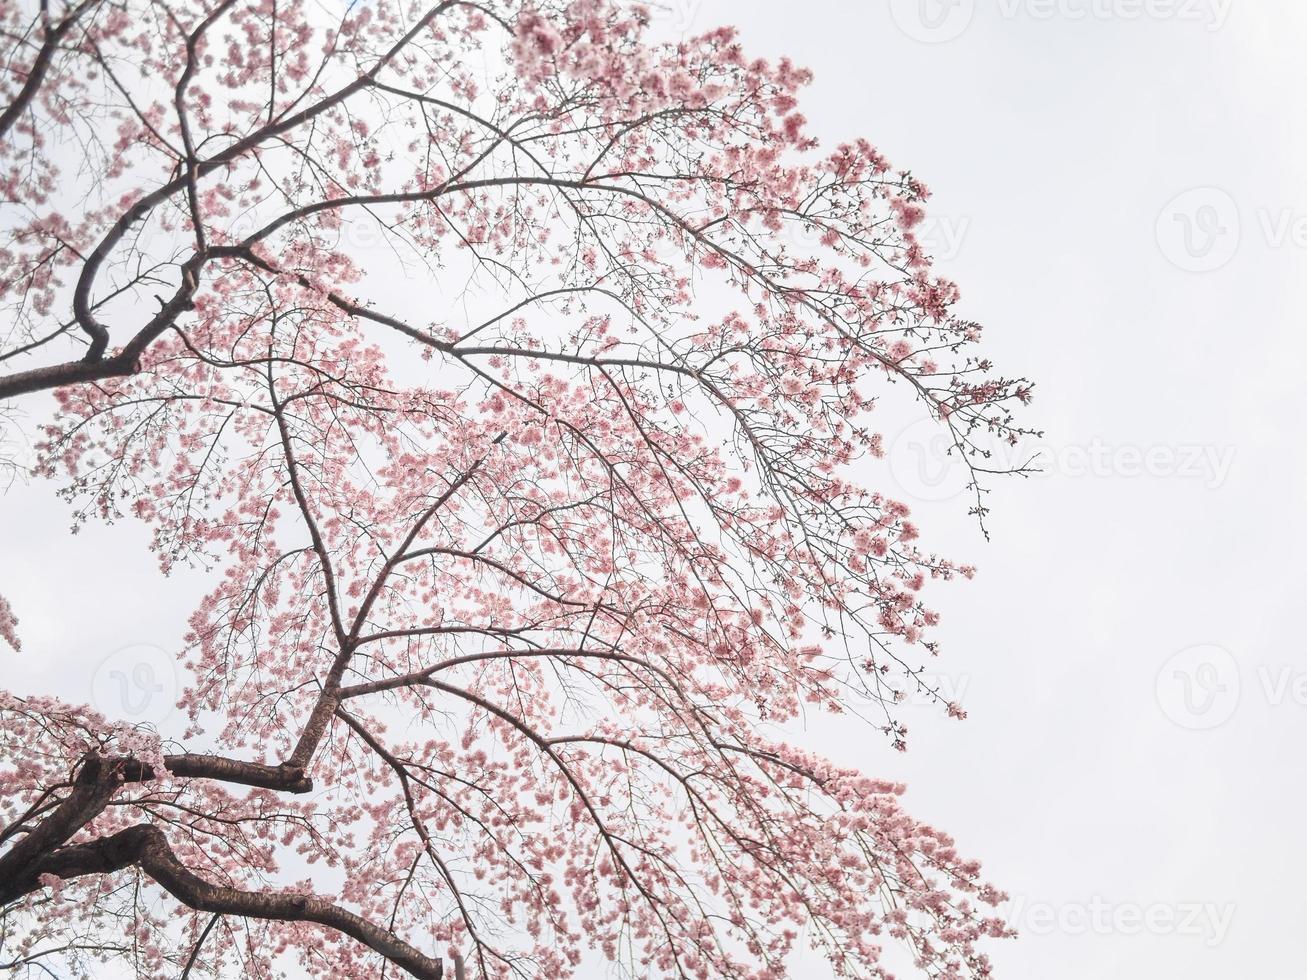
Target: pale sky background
[{"x": 1118, "y": 191}]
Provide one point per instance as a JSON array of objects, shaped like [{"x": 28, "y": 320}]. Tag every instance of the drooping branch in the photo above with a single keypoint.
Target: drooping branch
[
  {"x": 147, "y": 846},
  {"x": 661, "y": 558}
]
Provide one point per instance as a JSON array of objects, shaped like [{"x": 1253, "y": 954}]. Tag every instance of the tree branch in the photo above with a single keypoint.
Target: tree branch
[{"x": 147, "y": 846}]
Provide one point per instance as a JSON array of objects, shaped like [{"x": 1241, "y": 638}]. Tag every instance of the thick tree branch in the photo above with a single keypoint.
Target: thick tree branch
[
  {"x": 36, "y": 75},
  {"x": 97, "y": 781},
  {"x": 147, "y": 846}
]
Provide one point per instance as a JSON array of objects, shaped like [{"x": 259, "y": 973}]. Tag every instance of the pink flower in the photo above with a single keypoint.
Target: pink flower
[{"x": 9, "y": 625}]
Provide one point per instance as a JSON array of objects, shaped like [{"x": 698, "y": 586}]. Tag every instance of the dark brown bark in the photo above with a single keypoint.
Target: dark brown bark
[
  {"x": 36, "y": 74},
  {"x": 92, "y": 789},
  {"x": 45, "y": 850},
  {"x": 98, "y": 779},
  {"x": 285, "y": 777},
  {"x": 146, "y": 846},
  {"x": 96, "y": 366}
]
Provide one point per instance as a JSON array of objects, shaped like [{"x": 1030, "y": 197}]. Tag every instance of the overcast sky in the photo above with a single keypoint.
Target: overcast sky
[{"x": 1117, "y": 190}]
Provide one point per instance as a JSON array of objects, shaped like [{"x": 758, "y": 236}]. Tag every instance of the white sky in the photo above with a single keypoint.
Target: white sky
[
  {"x": 1055, "y": 135},
  {"x": 1144, "y": 829}
]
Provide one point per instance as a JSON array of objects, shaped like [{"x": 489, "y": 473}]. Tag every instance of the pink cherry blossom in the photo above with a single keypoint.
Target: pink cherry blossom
[
  {"x": 513, "y": 378},
  {"x": 9, "y": 625}
]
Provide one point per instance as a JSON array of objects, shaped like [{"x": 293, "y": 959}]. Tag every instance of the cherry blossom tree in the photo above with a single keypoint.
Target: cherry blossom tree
[{"x": 506, "y": 369}]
